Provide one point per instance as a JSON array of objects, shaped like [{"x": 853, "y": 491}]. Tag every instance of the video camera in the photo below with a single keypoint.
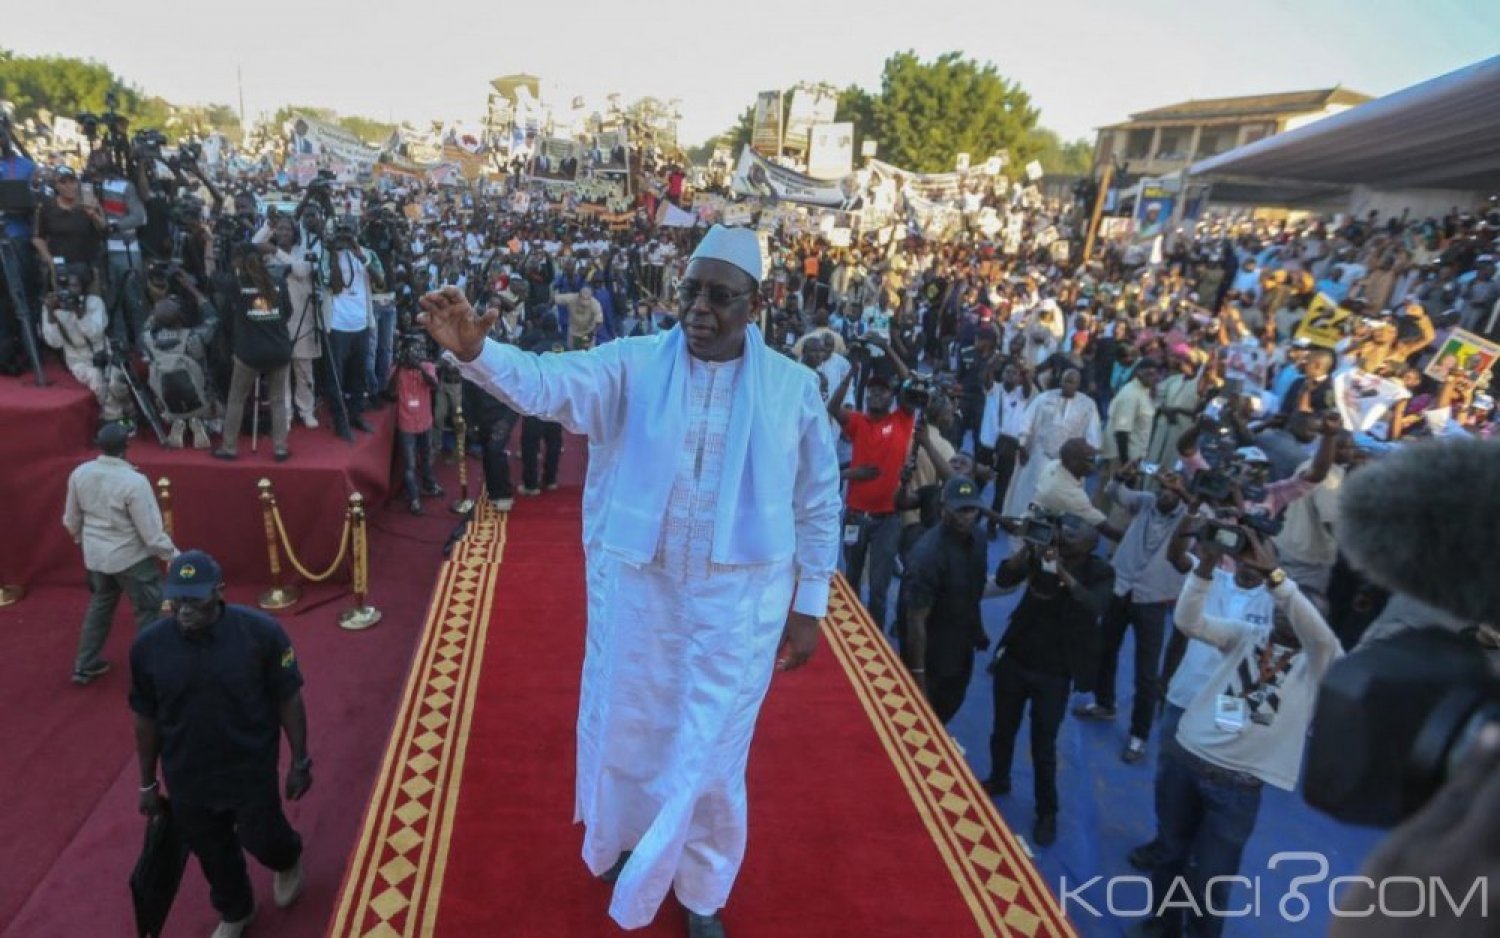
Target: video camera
[
  {"x": 916, "y": 391},
  {"x": 1232, "y": 536},
  {"x": 1038, "y": 527}
]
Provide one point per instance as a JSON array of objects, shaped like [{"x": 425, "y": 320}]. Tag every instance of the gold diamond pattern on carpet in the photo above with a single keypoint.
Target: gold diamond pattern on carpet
[
  {"x": 396, "y": 864},
  {"x": 1003, "y": 889}
]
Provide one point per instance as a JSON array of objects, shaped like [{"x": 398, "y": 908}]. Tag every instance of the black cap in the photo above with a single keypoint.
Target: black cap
[
  {"x": 192, "y": 575},
  {"x": 112, "y": 435},
  {"x": 961, "y": 492},
  {"x": 878, "y": 381}
]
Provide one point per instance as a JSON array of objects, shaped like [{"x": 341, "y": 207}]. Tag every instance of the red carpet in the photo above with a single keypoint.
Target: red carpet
[
  {"x": 48, "y": 431},
  {"x": 864, "y": 821},
  {"x": 70, "y": 829}
]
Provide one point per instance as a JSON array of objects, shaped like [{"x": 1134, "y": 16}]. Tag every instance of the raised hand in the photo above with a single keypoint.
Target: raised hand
[{"x": 453, "y": 324}]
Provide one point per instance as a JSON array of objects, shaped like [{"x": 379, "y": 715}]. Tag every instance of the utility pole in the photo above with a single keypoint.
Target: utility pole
[{"x": 239, "y": 74}]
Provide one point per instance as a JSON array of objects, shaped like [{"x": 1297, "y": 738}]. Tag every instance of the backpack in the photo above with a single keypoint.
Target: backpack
[{"x": 177, "y": 375}]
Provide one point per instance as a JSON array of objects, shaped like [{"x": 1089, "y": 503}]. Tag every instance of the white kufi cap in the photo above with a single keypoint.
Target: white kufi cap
[{"x": 737, "y": 246}]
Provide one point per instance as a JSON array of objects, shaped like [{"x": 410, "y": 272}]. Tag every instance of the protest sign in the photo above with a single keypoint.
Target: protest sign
[
  {"x": 810, "y": 106},
  {"x": 765, "y": 133},
  {"x": 610, "y": 151},
  {"x": 556, "y": 160},
  {"x": 1364, "y": 400},
  {"x": 737, "y": 214},
  {"x": 1034, "y": 170},
  {"x": 961, "y": 162},
  {"x": 1465, "y": 353},
  {"x": 830, "y": 155},
  {"x": 1061, "y": 250},
  {"x": 312, "y": 137},
  {"x": 1323, "y": 324}
]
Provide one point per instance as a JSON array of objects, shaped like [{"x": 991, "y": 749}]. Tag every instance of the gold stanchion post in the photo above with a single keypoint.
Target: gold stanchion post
[
  {"x": 10, "y": 595},
  {"x": 164, "y": 501},
  {"x": 465, "y": 504},
  {"x": 363, "y": 615},
  {"x": 278, "y": 596}
]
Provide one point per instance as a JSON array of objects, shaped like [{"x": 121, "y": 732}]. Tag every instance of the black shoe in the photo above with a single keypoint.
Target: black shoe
[
  {"x": 1044, "y": 834},
  {"x": 432, "y": 490},
  {"x": 997, "y": 786},
  {"x": 705, "y": 926},
  {"x": 222, "y": 453},
  {"x": 359, "y": 424},
  {"x": 1145, "y": 857},
  {"x": 282, "y": 454},
  {"x": 613, "y": 873}
]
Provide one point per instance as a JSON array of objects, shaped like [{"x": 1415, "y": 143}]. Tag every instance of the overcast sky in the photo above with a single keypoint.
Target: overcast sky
[{"x": 1084, "y": 62}]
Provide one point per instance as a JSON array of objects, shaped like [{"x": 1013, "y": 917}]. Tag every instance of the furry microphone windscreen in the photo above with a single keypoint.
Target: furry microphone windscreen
[{"x": 1425, "y": 521}]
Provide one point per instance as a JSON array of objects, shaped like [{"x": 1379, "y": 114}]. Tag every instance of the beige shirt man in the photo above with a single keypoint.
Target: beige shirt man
[
  {"x": 1061, "y": 492},
  {"x": 112, "y": 512},
  {"x": 1133, "y": 412}
]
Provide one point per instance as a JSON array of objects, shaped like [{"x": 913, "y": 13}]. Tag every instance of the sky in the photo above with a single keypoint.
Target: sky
[{"x": 1085, "y": 63}]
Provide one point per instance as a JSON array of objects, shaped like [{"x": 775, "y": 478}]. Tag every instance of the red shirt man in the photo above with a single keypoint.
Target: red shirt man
[{"x": 881, "y": 438}]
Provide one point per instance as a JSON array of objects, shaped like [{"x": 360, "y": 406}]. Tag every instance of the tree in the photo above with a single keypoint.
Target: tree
[
  {"x": 929, "y": 111},
  {"x": 1074, "y": 158},
  {"x": 66, "y": 86}
]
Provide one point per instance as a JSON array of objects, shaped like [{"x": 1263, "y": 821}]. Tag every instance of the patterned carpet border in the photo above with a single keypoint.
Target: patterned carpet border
[
  {"x": 393, "y": 886},
  {"x": 990, "y": 868}
]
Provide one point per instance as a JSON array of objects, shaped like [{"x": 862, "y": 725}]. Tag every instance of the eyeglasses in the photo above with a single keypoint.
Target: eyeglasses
[{"x": 719, "y": 297}]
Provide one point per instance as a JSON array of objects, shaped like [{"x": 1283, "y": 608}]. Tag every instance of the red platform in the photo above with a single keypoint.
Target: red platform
[{"x": 46, "y": 432}]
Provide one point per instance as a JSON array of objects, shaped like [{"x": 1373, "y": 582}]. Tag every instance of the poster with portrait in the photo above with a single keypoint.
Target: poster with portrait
[
  {"x": 757, "y": 176},
  {"x": 556, "y": 160},
  {"x": 765, "y": 132},
  {"x": 1364, "y": 400},
  {"x": 1153, "y": 210},
  {"x": 611, "y": 151},
  {"x": 831, "y": 152},
  {"x": 1464, "y": 352}
]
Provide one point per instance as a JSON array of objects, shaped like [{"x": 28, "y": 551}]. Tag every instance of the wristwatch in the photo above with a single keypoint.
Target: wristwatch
[
  {"x": 1275, "y": 578},
  {"x": 302, "y": 765}
]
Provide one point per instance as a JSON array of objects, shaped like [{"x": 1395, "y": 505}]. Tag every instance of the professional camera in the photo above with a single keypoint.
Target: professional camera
[
  {"x": 1398, "y": 715},
  {"x": 916, "y": 391},
  {"x": 150, "y": 140},
  {"x": 1038, "y": 527},
  {"x": 190, "y": 152}
]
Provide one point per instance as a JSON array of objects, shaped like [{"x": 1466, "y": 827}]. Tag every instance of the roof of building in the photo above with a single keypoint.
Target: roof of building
[
  {"x": 1248, "y": 106},
  {"x": 1439, "y": 134}
]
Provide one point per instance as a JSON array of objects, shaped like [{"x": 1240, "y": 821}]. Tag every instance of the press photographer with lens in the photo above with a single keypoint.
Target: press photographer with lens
[
  {"x": 257, "y": 324},
  {"x": 69, "y": 227},
  {"x": 125, "y": 264},
  {"x": 74, "y": 322},
  {"x": 353, "y": 274},
  {"x": 294, "y": 255}
]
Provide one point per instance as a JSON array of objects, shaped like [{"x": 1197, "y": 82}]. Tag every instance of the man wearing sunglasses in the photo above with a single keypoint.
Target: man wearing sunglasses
[{"x": 711, "y": 516}]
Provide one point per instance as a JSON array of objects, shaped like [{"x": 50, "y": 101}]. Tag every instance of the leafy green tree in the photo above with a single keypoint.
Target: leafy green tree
[
  {"x": 929, "y": 111},
  {"x": 1071, "y": 158},
  {"x": 65, "y": 86}
]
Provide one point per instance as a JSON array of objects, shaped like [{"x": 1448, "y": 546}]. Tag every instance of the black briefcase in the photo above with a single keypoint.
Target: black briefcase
[{"x": 157, "y": 874}]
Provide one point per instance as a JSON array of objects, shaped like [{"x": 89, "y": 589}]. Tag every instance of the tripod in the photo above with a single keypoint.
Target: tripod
[{"x": 10, "y": 274}]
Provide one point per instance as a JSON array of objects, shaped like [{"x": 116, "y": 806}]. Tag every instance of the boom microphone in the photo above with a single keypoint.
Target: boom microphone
[{"x": 1425, "y": 521}]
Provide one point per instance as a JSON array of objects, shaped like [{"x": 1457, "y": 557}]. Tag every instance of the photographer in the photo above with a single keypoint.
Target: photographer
[
  {"x": 294, "y": 259},
  {"x": 74, "y": 322},
  {"x": 1050, "y": 647},
  {"x": 124, "y": 215},
  {"x": 1147, "y": 581},
  {"x": 881, "y": 439},
  {"x": 1246, "y": 727},
  {"x": 257, "y": 323},
  {"x": 69, "y": 226},
  {"x": 15, "y": 228},
  {"x": 178, "y": 354},
  {"x": 353, "y": 274}
]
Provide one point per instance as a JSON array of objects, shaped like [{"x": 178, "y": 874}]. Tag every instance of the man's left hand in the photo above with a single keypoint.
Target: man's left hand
[
  {"x": 798, "y": 641},
  {"x": 298, "y": 781}
]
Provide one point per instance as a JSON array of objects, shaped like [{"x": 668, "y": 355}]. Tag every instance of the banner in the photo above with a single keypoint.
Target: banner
[
  {"x": 809, "y": 107},
  {"x": 611, "y": 151},
  {"x": 556, "y": 160},
  {"x": 765, "y": 133},
  {"x": 830, "y": 154},
  {"x": 312, "y": 137},
  {"x": 1465, "y": 353},
  {"x": 1322, "y": 325},
  {"x": 670, "y": 216},
  {"x": 471, "y": 165},
  {"x": 934, "y": 187},
  {"x": 757, "y": 176}
]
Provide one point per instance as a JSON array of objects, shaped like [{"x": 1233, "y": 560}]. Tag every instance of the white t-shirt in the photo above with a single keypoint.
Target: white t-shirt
[
  {"x": 350, "y": 310},
  {"x": 1225, "y": 601}
]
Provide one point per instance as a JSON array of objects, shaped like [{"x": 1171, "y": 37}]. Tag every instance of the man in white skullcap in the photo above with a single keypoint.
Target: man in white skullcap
[{"x": 711, "y": 523}]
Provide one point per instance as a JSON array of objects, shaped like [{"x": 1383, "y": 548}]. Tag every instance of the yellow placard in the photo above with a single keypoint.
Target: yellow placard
[{"x": 1323, "y": 325}]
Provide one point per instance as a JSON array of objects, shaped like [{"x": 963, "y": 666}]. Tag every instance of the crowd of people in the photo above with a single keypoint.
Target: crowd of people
[{"x": 1160, "y": 437}]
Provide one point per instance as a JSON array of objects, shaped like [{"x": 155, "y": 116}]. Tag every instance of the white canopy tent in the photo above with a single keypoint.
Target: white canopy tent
[{"x": 1441, "y": 134}]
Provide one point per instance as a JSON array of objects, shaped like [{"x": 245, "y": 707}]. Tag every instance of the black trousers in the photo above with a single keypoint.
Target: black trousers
[
  {"x": 945, "y": 692},
  {"x": 219, "y": 838},
  {"x": 347, "y": 365},
  {"x": 1004, "y": 461},
  {"x": 1015, "y": 684},
  {"x": 1150, "y": 623},
  {"x": 496, "y": 458},
  {"x": 534, "y": 433}
]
